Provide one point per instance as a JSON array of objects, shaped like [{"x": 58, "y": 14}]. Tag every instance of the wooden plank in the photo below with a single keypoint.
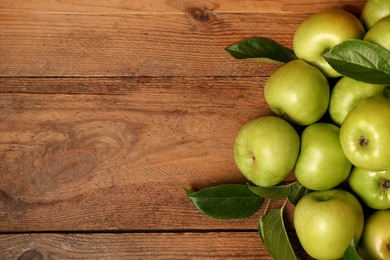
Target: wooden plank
[
  {"x": 208, "y": 245},
  {"x": 176, "y": 6},
  {"x": 140, "y": 44},
  {"x": 133, "y": 45},
  {"x": 99, "y": 161}
]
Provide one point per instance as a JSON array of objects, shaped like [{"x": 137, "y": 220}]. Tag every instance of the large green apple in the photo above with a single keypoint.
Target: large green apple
[
  {"x": 373, "y": 11},
  {"x": 375, "y": 240},
  {"x": 298, "y": 91},
  {"x": 380, "y": 33},
  {"x": 364, "y": 134},
  {"x": 322, "y": 31},
  {"x": 321, "y": 163},
  {"x": 346, "y": 94},
  {"x": 372, "y": 187},
  {"x": 327, "y": 221},
  {"x": 266, "y": 149}
]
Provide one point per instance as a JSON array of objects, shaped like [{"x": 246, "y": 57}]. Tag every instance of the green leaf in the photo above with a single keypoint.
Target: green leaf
[
  {"x": 261, "y": 49},
  {"x": 361, "y": 60},
  {"x": 351, "y": 252},
  {"x": 274, "y": 236},
  {"x": 293, "y": 191},
  {"x": 229, "y": 201}
]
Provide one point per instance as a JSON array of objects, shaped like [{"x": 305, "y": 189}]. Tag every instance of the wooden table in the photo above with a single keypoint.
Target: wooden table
[{"x": 109, "y": 109}]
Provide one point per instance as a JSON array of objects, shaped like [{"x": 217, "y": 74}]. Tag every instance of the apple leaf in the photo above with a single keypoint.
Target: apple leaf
[
  {"x": 274, "y": 236},
  {"x": 261, "y": 49},
  {"x": 361, "y": 60},
  {"x": 293, "y": 191},
  {"x": 228, "y": 201},
  {"x": 351, "y": 252}
]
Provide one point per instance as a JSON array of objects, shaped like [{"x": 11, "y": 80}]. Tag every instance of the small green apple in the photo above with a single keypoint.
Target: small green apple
[
  {"x": 373, "y": 11},
  {"x": 346, "y": 94},
  {"x": 372, "y": 187},
  {"x": 298, "y": 92},
  {"x": 327, "y": 221},
  {"x": 322, "y": 31},
  {"x": 380, "y": 33},
  {"x": 375, "y": 240},
  {"x": 266, "y": 149},
  {"x": 321, "y": 164},
  {"x": 364, "y": 134}
]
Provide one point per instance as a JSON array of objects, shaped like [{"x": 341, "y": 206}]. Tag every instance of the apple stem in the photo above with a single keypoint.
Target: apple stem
[{"x": 267, "y": 206}]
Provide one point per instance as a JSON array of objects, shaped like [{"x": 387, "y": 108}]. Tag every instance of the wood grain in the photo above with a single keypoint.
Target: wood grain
[
  {"x": 60, "y": 150},
  {"x": 108, "y": 109},
  {"x": 176, "y": 6},
  {"x": 132, "y": 45},
  {"x": 185, "y": 91},
  {"x": 139, "y": 44},
  {"x": 207, "y": 245},
  {"x": 103, "y": 151}
]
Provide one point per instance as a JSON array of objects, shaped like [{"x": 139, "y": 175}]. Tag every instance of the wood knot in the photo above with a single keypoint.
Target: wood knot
[
  {"x": 200, "y": 10},
  {"x": 198, "y": 13},
  {"x": 31, "y": 255}
]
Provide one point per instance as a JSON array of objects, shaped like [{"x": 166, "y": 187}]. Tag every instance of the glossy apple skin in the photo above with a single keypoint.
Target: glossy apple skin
[
  {"x": 380, "y": 33},
  {"x": 322, "y": 31},
  {"x": 321, "y": 163},
  {"x": 346, "y": 94},
  {"x": 364, "y": 134},
  {"x": 373, "y": 11},
  {"x": 373, "y": 188},
  {"x": 327, "y": 221},
  {"x": 298, "y": 92},
  {"x": 375, "y": 239},
  {"x": 266, "y": 150}
]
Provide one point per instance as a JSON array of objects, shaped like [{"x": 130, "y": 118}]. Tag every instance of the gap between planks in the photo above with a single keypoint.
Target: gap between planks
[{"x": 129, "y": 231}]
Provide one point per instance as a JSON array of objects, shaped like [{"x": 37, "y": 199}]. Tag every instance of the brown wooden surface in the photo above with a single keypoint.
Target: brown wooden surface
[
  {"x": 108, "y": 109},
  {"x": 182, "y": 245}
]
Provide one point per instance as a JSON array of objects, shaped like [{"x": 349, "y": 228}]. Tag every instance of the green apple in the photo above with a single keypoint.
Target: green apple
[
  {"x": 346, "y": 94},
  {"x": 327, "y": 221},
  {"x": 298, "y": 92},
  {"x": 364, "y": 134},
  {"x": 373, "y": 11},
  {"x": 321, "y": 164},
  {"x": 266, "y": 149},
  {"x": 372, "y": 187},
  {"x": 375, "y": 240},
  {"x": 322, "y": 31},
  {"x": 380, "y": 33}
]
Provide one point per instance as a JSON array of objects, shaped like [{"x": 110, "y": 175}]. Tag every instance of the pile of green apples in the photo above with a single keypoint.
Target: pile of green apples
[{"x": 333, "y": 133}]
